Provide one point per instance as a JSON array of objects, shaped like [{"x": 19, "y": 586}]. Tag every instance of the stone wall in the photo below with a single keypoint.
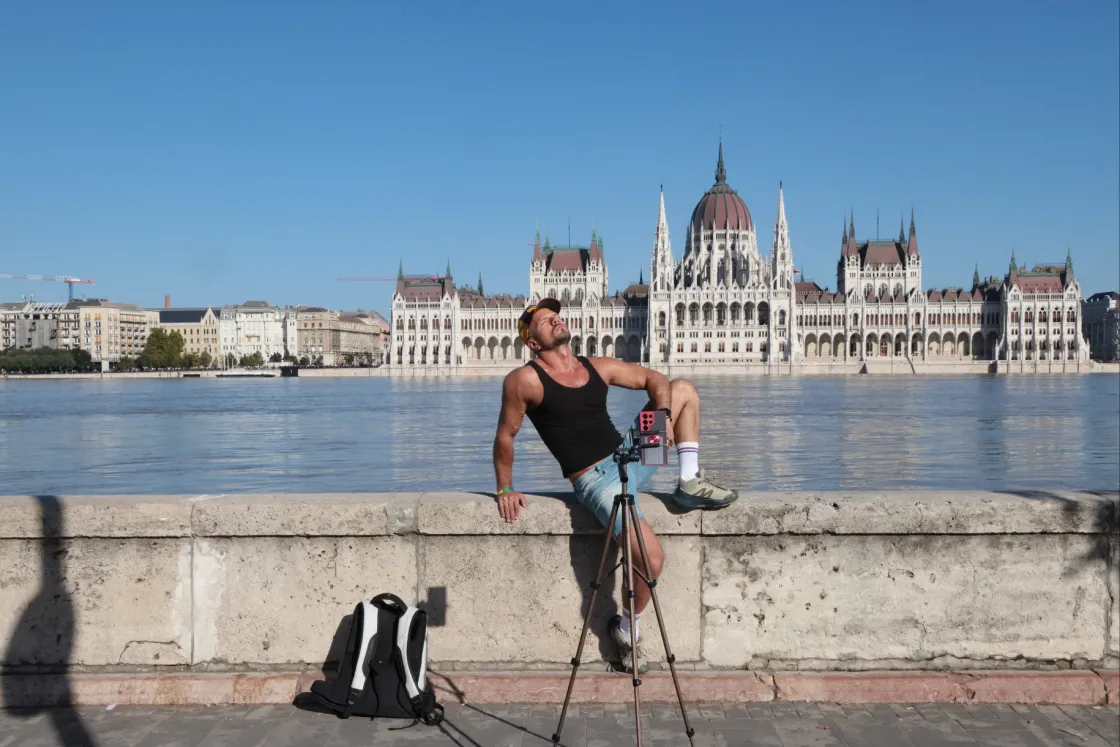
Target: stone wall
[{"x": 789, "y": 581}]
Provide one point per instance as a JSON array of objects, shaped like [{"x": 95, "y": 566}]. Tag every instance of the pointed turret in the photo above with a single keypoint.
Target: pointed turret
[
  {"x": 448, "y": 273},
  {"x": 1013, "y": 270},
  {"x": 721, "y": 172},
  {"x": 781, "y": 255},
  {"x": 912, "y": 243},
  {"x": 844, "y": 239},
  {"x": 641, "y": 277},
  {"x": 537, "y": 256},
  {"x": 480, "y": 291},
  {"x": 976, "y": 277},
  {"x": 1067, "y": 276},
  {"x": 901, "y": 232},
  {"x": 400, "y": 271},
  {"x": 851, "y": 249}
]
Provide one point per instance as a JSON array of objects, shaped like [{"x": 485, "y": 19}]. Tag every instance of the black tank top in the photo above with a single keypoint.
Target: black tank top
[{"x": 573, "y": 422}]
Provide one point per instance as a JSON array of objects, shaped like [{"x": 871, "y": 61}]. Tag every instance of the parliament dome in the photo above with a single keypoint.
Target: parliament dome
[{"x": 721, "y": 207}]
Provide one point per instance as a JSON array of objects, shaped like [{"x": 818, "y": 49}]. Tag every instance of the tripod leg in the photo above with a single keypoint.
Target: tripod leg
[
  {"x": 629, "y": 576},
  {"x": 652, "y": 583},
  {"x": 587, "y": 618}
]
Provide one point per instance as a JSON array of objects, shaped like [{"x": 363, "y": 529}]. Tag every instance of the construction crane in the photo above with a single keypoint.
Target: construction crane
[{"x": 54, "y": 279}]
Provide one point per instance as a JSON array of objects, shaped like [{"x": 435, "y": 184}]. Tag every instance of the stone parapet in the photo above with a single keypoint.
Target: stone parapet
[{"x": 797, "y": 583}]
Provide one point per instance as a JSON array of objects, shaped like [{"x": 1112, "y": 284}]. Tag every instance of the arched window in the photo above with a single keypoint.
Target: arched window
[
  {"x": 898, "y": 289},
  {"x": 661, "y": 319},
  {"x": 868, "y": 289},
  {"x": 917, "y": 319},
  {"x": 882, "y": 289},
  {"x": 781, "y": 317},
  {"x": 855, "y": 320},
  {"x": 680, "y": 315}
]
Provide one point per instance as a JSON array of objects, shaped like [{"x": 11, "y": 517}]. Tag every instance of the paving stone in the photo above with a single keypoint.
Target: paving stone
[{"x": 523, "y": 725}]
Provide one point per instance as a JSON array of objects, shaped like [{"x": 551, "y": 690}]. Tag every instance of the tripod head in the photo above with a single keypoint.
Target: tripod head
[{"x": 649, "y": 441}]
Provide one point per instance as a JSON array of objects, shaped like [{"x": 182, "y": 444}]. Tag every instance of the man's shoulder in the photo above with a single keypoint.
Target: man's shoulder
[{"x": 521, "y": 377}]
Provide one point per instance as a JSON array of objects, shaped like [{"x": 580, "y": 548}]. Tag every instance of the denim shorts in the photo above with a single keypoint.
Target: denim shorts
[{"x": 597, "y": 488}]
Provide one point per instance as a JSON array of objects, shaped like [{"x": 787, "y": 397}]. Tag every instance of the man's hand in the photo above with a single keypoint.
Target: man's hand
[{"x": 510, "y": 504}]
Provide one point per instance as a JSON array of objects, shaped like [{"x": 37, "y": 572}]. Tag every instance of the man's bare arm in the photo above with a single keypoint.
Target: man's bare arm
[
  {"x": 509, "y": 423},
  {"x": 633, "y": 376}
]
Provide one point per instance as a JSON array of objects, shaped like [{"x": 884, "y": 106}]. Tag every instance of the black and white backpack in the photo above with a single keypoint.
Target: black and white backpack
[{"x": 383, "y": 672}]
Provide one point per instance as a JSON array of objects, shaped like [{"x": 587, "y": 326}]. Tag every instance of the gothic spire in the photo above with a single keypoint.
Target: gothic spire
[
  {"x": 641, "y": 277},
  {"x": 844, "y": 239},
  {"x": 1069, "y": 260},
  {"x": 480, "y": 292},
  {"x": 852, "y": 226},
  {"x": 1014, "y": 269},
  {"x": 912, "y": 231},
  {"x": 448, "y": 275},
  {"x": 976, "y": 276},
  {"x": 400, "y": 270},
  {"x": 901, "y": 231},
  {"x": 721, "y": 172}
]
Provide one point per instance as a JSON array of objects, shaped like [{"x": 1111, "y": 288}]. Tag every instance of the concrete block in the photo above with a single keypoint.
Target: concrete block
[
  {"x": 318, "y": 515},
  {"x": 911, "y": 598},
  {"x": 522, "y": 599},
  {"x": 1114, "y": 595},
  {"x": 94, "y": 516},
  {"x": 910, "y": 512},
  {"x": 95, "y": 602},
  {"x": 262, "y": 600},
  {"x": 553, "y": 513}
]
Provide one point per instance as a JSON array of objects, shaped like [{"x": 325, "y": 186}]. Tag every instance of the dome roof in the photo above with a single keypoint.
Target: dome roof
[{"x": 720, "y": 206}]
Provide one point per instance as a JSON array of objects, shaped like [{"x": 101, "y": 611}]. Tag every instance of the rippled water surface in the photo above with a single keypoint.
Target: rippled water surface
[{"x": 342, "y": 435}]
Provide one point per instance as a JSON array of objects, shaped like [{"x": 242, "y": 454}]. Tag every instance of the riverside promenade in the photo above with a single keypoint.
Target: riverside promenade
[{"x": 513, "y": 725}]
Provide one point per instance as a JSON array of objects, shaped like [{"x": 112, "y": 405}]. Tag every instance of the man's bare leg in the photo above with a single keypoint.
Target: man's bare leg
[{"x": 656, "y": 560}]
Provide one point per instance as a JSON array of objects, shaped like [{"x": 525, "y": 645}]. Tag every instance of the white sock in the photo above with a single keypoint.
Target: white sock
[
  {"x": 688, "y": 454},
  {"x": 624, "y": 626}
]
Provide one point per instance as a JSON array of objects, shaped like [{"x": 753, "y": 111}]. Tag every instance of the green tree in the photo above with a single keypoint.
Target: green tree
[
  {"x": 162, "y": 350},
  {"x": 126, "y": 363},
  {"x": 189, "y": 360},
  {"x": 304, "y": 361},
  {"x": 275, "y": 358},
  {"x": 205, "y": 360},
  {"x": 349, "y": 358},
  {"x": 231, "y": 360}
]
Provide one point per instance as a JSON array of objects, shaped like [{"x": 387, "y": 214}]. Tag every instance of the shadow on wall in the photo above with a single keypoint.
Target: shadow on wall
[{"x": 44, "y": 638}]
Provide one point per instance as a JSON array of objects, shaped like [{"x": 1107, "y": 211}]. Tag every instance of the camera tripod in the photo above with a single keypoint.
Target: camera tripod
[{"x": 625, "y": 502}]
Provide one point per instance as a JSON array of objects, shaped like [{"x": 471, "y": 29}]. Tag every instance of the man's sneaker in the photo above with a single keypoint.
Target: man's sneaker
[
  {"x": 700, "y": 492},
  {"x": 623, "y": 644}
]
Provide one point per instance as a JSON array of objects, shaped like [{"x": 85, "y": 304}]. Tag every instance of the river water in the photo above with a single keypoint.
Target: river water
[{"x": 184, "y": 436}]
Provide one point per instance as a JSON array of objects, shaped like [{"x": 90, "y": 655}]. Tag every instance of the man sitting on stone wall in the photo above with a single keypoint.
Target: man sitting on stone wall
[{"x": 565, "y": 397}]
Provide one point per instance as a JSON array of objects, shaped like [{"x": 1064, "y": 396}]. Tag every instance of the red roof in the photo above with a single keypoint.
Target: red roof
[
  {"x": 881, "y": 253},
  {"x": 1043, "y": 283},
  {"x": 720, "y": 209},
  {"x": 570, "y": 259}
]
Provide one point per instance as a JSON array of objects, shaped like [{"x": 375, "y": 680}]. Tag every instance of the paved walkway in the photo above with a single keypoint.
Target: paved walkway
[{"x": 765, "y": 725}]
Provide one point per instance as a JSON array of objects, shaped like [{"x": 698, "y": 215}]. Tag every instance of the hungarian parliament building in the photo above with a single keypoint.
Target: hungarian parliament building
[{"x": 723, "y": 307}]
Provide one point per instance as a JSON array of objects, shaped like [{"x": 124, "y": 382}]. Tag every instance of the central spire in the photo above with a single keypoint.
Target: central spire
[{"x": 721, "y": 172}]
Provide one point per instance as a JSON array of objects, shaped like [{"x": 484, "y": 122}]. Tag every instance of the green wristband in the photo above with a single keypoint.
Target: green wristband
[{"x": 504, "y": 490}]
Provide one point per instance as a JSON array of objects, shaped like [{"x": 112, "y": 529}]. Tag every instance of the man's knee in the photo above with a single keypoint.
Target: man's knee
[{"x": 683, "y": 389}]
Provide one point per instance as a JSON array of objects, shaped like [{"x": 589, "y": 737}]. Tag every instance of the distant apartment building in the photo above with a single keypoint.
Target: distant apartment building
[
  {"x": 330, "y": 336},
  {"x": 256, "y": 327},
  {"x": 1100, "y": 323},
  {"x": 38, "y": 325},
  {"x": 200, "y": 328},
  {"x": 110, "y": 331},
  {"x": 106, "y": 330}
]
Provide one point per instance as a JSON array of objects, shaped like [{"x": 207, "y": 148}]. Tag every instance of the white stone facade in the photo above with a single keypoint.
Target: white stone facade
[
  {"x": 256, "y": 327},
  {"x": 723, "y": 307}
]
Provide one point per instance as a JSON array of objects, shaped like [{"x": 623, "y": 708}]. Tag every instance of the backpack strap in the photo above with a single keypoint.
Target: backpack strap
[{"x": 365, "y": 617}]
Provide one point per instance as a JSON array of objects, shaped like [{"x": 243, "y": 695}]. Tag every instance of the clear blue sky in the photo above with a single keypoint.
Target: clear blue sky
[{"x": 226, "y": 151}]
